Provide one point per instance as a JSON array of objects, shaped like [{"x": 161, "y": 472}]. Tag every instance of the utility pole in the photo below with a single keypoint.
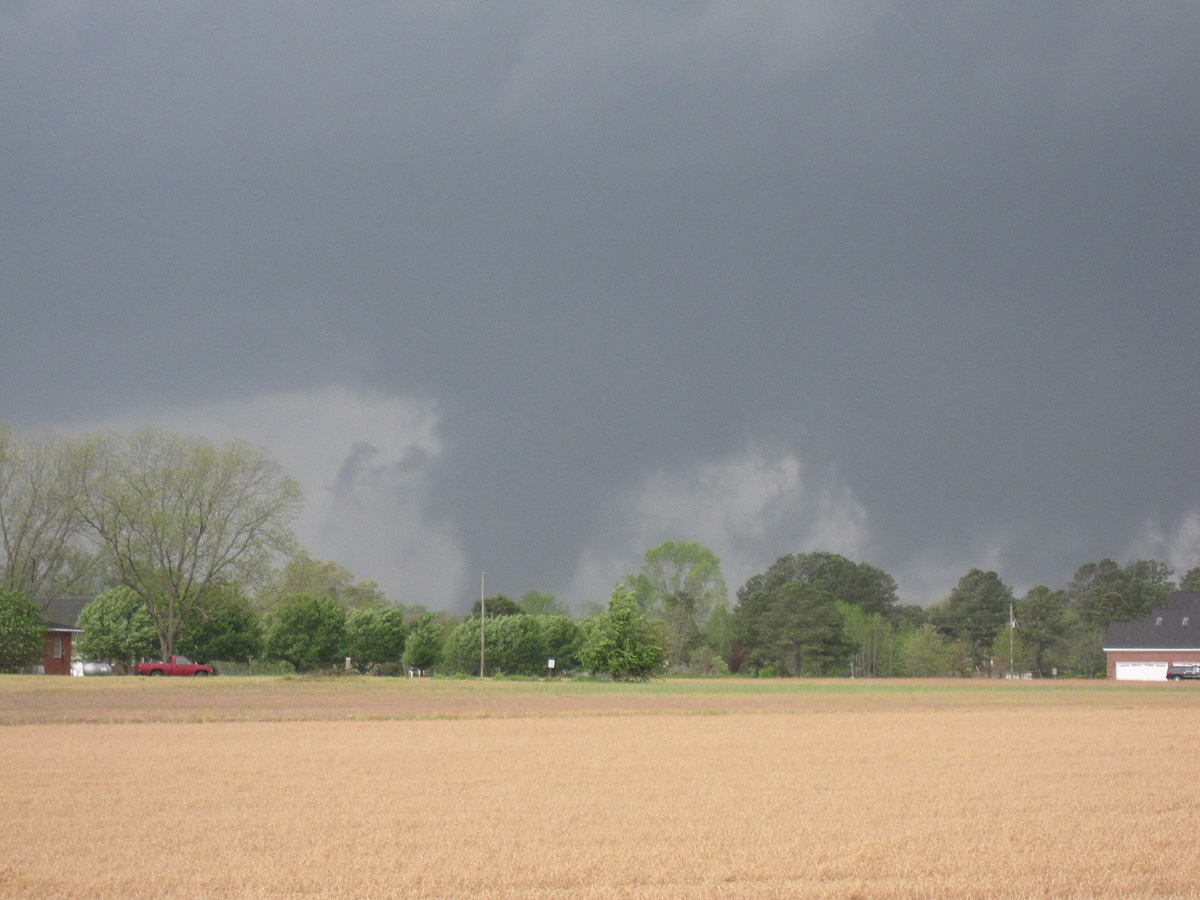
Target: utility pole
[{"x": 482, "y": 620}]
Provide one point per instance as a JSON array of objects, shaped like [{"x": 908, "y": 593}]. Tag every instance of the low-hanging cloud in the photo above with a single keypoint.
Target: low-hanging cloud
[
  {"x": 929, "y": 575},
  {"x": 1176, "y": 543},
  {"x": 757, "y": 506},
  {"x": 367, "y": 463},
  {"x": 749, "y": 509}
]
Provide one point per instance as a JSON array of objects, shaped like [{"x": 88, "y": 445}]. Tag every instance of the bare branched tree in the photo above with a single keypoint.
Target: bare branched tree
[
  {"x": 47, "y": 550},
  {"x": 178, "y": 518}
]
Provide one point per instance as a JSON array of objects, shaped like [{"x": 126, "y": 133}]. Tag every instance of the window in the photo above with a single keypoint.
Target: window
[{"x": 58, "y": 648}]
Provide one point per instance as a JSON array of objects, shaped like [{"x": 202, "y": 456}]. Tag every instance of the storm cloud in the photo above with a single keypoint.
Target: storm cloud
[{"x": 528, "y": 287}]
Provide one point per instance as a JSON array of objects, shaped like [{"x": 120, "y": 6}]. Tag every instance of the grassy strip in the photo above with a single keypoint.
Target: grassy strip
[{"x": 29, "y": 700}]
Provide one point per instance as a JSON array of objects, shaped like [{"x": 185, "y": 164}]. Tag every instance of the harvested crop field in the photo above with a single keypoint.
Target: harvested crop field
[{"x": 362, "y": 787}]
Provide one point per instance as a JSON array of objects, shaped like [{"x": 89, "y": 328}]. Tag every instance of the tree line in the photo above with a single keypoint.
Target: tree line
[
  {"x": 182, "y": 541},
  {"x": 820, "y": 613}
]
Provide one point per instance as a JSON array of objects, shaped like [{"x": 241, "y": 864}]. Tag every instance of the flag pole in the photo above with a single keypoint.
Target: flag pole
[
  {"x": 1012, "y": 626},
  {"x": 482, "y": 619}
]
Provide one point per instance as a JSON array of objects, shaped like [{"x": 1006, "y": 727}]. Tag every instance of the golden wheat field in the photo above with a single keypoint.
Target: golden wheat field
[{"x": 382, "y": 788}]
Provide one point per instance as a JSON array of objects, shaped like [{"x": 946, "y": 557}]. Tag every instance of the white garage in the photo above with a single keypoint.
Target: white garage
[{"x": 1141, "y": 671}]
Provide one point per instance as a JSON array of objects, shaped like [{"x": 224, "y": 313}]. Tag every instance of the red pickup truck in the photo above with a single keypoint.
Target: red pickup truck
[{"x": 175, "y": 665}]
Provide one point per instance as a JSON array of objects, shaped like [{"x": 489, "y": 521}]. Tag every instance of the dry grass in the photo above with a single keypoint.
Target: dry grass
[{"x": 366, "y": 787}]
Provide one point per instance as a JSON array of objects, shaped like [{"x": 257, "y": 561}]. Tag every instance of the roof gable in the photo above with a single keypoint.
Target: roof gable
[
  {"x": 1175, "y": 626},
  {"x": 62, "y": 613}
]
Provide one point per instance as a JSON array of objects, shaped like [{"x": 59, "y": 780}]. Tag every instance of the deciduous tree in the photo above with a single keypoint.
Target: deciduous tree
[
  {"x": 794, "y": 628},
  {"x": 117, "y": 628},
  {"x": 870, "y": 589},
  {"x": 375, "y": 636},
  {"x": 516, "y": 645},
  {"x": 925, "y": 653},
  {"x": 1041, "y": 617},
  {"x": 423, "y": 649},
  {"x": 22, "y": 631},
  {"x": 302, "y": 574},
  {"x": 680, "y": 568},
  {"x": 178, "y": 518},
  {"x": 873, "y": 637},
  {"x": 974, "y": 611},
  {"x": 621, "y": 642},
  {"x": 227, "y": 627},
  {"x": 307, "y": 632},
  {"x": 539, "y": 603},
  {"x": 1106, "y": 592},
  {"x": 1190, "y": 580},
  {"x": 497, "y": 606},
  {"x": 563, "y": 641},
  {"x": 680, "y": 585},
  {"x": 460, "y": 652},
  {"x": 42, "y": 535}
]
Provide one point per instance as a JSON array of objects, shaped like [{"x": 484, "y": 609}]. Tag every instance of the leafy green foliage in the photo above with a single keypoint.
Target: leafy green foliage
[
  {"x": 870, "y": 589},
  {"x": 717, "y": 634},
  {"x": 874, "y": 640},
  {"x": 321, "y": 578},
  {"x": 423, "y": 649},
  {"x": 1082, "y": 652},
  {"x": 515, "y": 645},
  {"x": 225, "y": 628},
  {"x": 178, "y": 518},
  {"x": 974, "y": 611},
  {"x": 117, "y": 628},
  {"x": 680, "y": 585},
  {"x": 1041, "y": 624},
  {"x": 680, "y": 628},
  {"x": 908, "y": 616},
  {"x": 375, "y": 636},
  {"x": 563, "y": 640},
  {"x": 308, "y": 632},
  {"x": 680, "y": 569},
  {"x": 620, "y": 641},
  {"x": 460, "y": 653},
  {"x": 1190, "y": 580},
  {"x": 497, "y": 606},
  {"x": 1105, "y": 592},
  {"x": 40, "y": 527},
  {"x": 794, "y": 628},
  {"x": 539, "y": 603},
  {"x": 1010, "y": 647},
  {"x": 22, "y": 631},
  {"x": 925, "y": 653}
]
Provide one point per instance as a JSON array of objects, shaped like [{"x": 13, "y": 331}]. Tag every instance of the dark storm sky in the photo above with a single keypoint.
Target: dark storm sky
[{"x": 530, "y": 287}]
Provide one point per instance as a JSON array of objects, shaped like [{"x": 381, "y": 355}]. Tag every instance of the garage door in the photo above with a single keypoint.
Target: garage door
[{"x": 1141, "y": 671}]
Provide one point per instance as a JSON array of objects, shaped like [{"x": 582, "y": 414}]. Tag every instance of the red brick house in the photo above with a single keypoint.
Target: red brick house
[
  {"x": 1141, "y": 651},
  {"x": 61, "y": 615}
]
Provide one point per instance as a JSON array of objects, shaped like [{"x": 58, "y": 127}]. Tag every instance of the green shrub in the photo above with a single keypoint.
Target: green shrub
[
  {"x": 22, "y": 631},
  {"x": 308, "y": 632},
  {"x": 621, "y": 643}
]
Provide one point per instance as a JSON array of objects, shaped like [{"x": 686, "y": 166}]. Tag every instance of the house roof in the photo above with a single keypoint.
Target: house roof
[
  {"x": 62, "y": 613},
  {"x": 1175, "y": 626}
]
